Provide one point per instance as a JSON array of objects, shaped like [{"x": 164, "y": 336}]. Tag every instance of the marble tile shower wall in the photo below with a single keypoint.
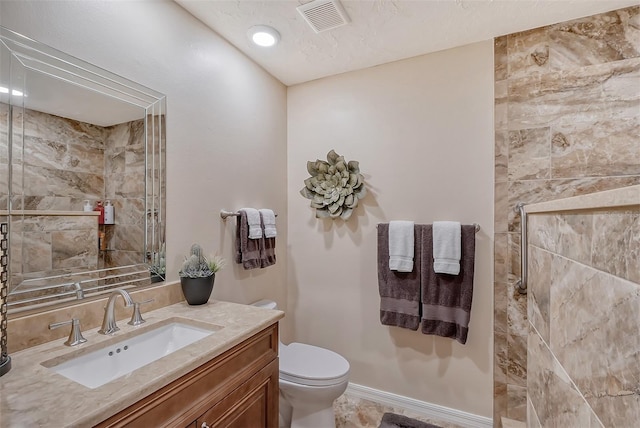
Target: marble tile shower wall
[
  {"x": 61, "y": 163},
  {"x": 583, "y": 307},
  {"x": 125, "y": 188},
  {"x": 567, "y": 117},
  {"x": 53, "y": 243}
]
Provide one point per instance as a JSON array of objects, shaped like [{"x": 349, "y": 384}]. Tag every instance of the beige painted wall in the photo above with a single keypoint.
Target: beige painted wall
[
  {"x": 226, "y": 123},
  {"x": 422, "y": 130}
]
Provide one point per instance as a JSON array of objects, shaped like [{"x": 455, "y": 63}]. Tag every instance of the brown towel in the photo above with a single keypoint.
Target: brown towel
[
  {"x": 247, "y": 250},
  {"x": 267, "y": 248},
  {"x": 446, "y": 299},
  {"x": 399, "y": 291}
]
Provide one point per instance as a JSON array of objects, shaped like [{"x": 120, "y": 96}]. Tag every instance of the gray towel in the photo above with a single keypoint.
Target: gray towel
[
  {"x": 446, "y": 299},
  {"x": 393, "y": 420},
  {"x": 247, "y": 250},
  {"x": 399, "y": 291},
  {"x": 267, "y": 247}
]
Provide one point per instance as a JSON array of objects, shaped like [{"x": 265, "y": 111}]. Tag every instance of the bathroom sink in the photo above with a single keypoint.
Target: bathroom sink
[{"x": 96, "y": 368}]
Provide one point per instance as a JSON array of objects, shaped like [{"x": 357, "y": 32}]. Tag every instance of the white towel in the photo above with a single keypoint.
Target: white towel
[
  {"x": 269, "y": 221},
  {"x": 447, "y": 247},
  {"x": 401, "y": 246},
  {"x": 253, "y": 220}
]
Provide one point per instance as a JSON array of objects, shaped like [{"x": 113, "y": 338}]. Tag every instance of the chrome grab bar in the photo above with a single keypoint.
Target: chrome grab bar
[{"x": 521, "y": 285}]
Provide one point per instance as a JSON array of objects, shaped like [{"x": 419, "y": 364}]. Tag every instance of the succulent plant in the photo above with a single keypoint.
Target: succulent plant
[
  {"x": 335, "y": 186},
  {"x": 159, "y": 262},
  {"x": 196, "y": 265},
  {"x": 216, "y": 263}
]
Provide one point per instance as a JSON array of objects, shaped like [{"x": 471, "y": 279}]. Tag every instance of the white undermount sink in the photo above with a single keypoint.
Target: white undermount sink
[{"x": 99, "y": 367}]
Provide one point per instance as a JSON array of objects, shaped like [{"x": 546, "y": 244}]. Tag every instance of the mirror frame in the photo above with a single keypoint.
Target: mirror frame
[{"x": 38, "y": 57}]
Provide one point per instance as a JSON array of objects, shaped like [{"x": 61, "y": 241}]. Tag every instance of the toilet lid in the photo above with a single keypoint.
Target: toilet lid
[{"x": 311, "y": 365}]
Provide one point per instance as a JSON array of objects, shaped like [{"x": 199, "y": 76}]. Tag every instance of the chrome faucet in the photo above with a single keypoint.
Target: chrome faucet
[
  {"x": 109, "y": 322},
  {"x": 75, "y": 337},
  {"x": 78, "y": 288}
]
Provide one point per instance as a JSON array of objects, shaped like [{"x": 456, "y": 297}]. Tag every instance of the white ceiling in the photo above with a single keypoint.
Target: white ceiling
[{"x": 380, "y": 31}]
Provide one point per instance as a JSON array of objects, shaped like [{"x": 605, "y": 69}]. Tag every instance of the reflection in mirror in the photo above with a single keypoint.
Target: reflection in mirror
[{"x": 82, "y": 159}]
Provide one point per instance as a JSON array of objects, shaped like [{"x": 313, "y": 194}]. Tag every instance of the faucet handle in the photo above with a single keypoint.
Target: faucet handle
[
  {"x": 75, "y": 336},
  {"x": 136, "y": 317}
]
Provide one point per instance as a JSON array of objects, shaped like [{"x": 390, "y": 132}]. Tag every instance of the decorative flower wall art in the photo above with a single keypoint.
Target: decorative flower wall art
[{"x": 335, "y": 186}]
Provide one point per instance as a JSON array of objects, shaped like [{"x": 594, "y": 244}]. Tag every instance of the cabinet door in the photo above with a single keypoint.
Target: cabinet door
[
  {"x": 254, "y": 404},
  {"x": 179, "y": 403}
]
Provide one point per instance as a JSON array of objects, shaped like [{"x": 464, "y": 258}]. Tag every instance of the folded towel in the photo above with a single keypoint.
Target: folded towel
[
  {"x": 253, "y": 219},
  {"x": 247, "y": 250},
  {"x": 267, "y": 247},
  {"x": 269, "y": 223},
  {"x": 446, "y": 247},
  {"x": 446, "y": 299},
  {"x": 399, "y": 291},
  {"x": 401, "y": 245}
]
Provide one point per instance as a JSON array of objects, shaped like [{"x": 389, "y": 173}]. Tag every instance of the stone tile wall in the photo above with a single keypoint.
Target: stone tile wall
[
  {"x": 584, "y": 345},
  {"x": 567, "y": 120},
  {"x": 125, "y": 188},
  {"x": 53, "y": 243},
  {"x": 58, "y": 164}
]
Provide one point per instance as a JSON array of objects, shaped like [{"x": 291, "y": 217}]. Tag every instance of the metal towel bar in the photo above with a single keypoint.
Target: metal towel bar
[
  {"x": 521, "y": 285},
  {"x": 476, "y": 225},
  {"x": 224, "y": 214}
]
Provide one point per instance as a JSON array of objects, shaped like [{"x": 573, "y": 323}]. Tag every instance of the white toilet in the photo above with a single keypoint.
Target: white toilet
[{"x": 311, "y": 378}]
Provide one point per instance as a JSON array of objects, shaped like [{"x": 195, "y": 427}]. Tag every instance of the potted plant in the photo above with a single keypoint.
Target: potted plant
[
  {"x": 158, "y": 268},
  {"x": 197, "y": 276}
]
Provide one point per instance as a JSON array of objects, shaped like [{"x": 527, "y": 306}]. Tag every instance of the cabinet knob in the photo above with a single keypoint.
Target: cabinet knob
[{"x": 204, "y": 425}]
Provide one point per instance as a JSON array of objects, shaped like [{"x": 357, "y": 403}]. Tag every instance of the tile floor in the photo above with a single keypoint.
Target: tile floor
[{"x": 354, "y": 412}]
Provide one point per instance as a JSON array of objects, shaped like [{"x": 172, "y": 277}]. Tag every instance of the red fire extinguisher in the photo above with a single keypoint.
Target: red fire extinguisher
[{"x": 100, "y": 208}]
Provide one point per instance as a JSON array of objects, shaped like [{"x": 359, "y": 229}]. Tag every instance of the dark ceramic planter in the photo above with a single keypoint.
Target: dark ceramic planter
[
  {"x": 156, "y": 278},
  {"x": 197, "y": 290}
]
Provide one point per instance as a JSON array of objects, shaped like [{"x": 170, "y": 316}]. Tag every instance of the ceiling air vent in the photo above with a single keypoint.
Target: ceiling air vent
[{"x": 323, "y": 15}]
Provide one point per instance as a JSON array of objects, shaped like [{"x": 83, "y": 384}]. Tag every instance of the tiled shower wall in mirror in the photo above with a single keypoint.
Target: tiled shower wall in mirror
[
  {"x": 65, "y": 163},
  {"x": 567, "y": 120}
]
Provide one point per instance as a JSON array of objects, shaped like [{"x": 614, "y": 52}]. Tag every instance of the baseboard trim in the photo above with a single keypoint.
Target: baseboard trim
[{"x": 420, "y": 408}]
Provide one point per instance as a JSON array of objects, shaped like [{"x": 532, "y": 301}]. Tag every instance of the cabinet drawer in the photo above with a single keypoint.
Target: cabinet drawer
[
  {"x": 183, "y": 400},
  {"x": 253, "y": 404}
]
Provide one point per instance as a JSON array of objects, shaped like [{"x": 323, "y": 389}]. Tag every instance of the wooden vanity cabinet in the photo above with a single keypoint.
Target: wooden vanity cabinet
[{"x": 238, "y": 388}]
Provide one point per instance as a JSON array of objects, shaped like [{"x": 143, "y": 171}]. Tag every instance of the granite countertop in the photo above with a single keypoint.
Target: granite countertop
[{"x": 33, "y": 395}]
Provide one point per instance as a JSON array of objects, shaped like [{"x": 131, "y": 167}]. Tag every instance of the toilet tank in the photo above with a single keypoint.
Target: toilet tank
[{"x": 268, "y": 304}]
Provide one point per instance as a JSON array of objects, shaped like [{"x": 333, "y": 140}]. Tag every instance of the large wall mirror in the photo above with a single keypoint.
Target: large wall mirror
[{"x": 74, "y": 138}]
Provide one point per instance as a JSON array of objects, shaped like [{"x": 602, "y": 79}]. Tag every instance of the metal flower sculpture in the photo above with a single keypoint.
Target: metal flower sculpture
[{"x": 335, "y": 186}]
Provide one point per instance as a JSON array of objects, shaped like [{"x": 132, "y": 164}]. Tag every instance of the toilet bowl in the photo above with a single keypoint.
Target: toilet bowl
[{"x": 311, "y": 378}]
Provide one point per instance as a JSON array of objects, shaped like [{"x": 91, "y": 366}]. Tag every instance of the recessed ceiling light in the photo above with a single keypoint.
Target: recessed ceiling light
[{"x": 263, "y": 35}]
